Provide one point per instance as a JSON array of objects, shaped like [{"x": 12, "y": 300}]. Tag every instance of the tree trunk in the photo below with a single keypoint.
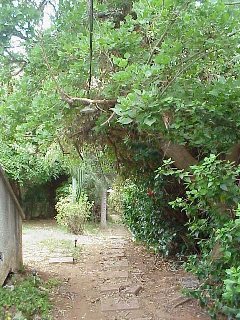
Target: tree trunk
[
  {"x": 104, "y": 208},
  {"x": 180, "y": 155},
  {"x": 233, "y": 154},
  {"x": 183, "y": 159},
  {"x": 16, "y": 189}
]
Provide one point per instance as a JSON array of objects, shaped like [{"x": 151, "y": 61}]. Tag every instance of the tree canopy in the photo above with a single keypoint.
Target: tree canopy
[{"x": 164, "y": 74}]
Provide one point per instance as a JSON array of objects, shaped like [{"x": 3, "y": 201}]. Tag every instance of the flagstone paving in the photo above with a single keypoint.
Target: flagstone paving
[{"x": 112, "y": 278}]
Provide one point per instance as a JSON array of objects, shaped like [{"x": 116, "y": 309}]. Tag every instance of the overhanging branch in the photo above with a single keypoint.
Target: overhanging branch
[{"x": 86, "y": 102}]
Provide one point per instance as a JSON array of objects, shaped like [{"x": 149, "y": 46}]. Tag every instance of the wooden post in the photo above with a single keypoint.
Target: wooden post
[{"x": 104, "y": 208}]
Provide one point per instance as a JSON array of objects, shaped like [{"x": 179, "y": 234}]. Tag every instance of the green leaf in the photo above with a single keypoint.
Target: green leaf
[
  {"x": 162, "y": 59},
  {"x": 150, "y": 121},
  {"x": 224, "y": 187},
  {"x": 125, "y": 120}
]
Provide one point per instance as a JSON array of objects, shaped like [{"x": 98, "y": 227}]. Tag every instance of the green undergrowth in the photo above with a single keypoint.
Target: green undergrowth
[
  {"x": 73, "y": 215},
  {"x": 26, "y": 297},
  {"x": 92, "y": 228},
  {"x": 66, "y": 246}
]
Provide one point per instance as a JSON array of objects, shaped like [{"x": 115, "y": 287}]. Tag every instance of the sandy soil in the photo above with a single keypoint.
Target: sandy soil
[{"x": 109, "y": 268}]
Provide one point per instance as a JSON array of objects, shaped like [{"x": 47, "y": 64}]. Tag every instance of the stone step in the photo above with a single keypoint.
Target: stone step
[
  {"x": 116, "y": 263},
  {"x": 114, "y": 255},
  {"x": 111, "y": 304},
  {"x": 114, "y": 287},
  {"x": 113, "y": 274},
  {"x": 56, "y": 260}
]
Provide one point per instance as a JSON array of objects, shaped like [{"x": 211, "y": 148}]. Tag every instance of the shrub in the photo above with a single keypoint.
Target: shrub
[
  {"x": 145, "y": 215},
  {"x": 218, "y": 270},
  {"x": 73, "y": 215},
  {"x": 63, "y": 191},
  {"x": 211, "y": 203}
]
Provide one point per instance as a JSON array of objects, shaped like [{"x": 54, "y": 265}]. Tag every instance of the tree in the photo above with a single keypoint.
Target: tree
[{"x": 166, "y": 72}]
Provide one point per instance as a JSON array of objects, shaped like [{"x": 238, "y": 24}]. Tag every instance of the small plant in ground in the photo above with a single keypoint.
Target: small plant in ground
[
  {"x": 73, "y": 215},
  {"x": 25, "y": 299},
  {"x": 92, "y": 228},
  {"x": 231, "y": 292}
]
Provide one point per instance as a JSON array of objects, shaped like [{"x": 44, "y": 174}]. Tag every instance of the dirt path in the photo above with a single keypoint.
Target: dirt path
[{"x": 112, "y": 279}]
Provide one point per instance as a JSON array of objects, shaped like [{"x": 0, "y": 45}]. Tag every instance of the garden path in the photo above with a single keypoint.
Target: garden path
[{"x": 112, "y": 278}]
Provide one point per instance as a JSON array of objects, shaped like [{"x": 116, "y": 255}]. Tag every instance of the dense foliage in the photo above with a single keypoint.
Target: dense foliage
[
  {"x": 149, "y": 219},
  {"x": 170, "y": 70},
  {"x": 211, "y": 203}
]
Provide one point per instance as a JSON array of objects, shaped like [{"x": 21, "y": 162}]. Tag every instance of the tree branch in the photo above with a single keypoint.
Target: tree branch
[
  {"x": 19, "y": 35},
  {"x": 167, "y": 30},
  {"x": 20, "y": 69},
  {"x": 185, "y": 68},
  {"x": 42, "y": 5},
  {"x": 86, "y": 102},
  {"x": 13, "y": 58},
  {"x": 109, "y": 119}
]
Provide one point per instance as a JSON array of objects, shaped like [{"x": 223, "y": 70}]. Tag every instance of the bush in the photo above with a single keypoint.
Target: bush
[
  {"x": 211, "y": 203},
  {"x": 63, "y": 191},
  {"x": 218, "y": 270},
  {"x": 73, "y": 215},
  {"x": 145, "y": 215}
]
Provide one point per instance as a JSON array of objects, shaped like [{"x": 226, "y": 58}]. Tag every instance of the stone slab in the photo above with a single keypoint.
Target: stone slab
[
  {"x": 114, "y": 287},
  {"x": 116, "y": 237},
  {"x": 189, "y": 282},
  {"x": 117, "y": 246},
  {"x": 134, "y": 289},
  {"x": 61, "y": 260},
  {"x": 115, "y": 250},
  {"x": 114, "y": 274},
  {"x": 117, "y": 264},
  {"x": 113, "y": 305},
  {"x": 115, "y": 254}
]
